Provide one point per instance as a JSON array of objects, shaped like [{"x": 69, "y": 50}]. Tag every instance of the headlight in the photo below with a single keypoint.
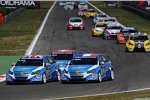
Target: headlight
[
  {"x": 147, "y": 44},
  {"x": 65, "y": 71},
  {"x": 90, "y": 71},
  {"x": 35, "y": 72},
  {"x": 130, "y": 43},
  {"x": 10, "y": 72}
]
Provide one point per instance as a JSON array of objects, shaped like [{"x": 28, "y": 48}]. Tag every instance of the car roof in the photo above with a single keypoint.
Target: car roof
[
  {"x": 138, "y": 34},
  {"x": 97, "y": 23},
  {"x": 87, "y": 55},
  {"x": 63, "y": 51},
  {"x": 32, "y": 57}
]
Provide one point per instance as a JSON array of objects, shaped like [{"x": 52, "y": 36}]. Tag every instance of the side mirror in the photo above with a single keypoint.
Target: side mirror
[
  {"x": 47, "y": 64},
  {"x": 13, "y": 64}
]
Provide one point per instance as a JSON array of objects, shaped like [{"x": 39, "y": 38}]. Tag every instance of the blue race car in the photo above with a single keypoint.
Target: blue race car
[
  {"x": 62, "y": 57},
  {"x": 88, "y": 67},
  {"x": 31, "y": 69}
]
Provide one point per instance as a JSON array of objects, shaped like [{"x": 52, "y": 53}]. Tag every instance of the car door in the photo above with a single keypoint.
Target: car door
[{"x": 104, "y": 62}]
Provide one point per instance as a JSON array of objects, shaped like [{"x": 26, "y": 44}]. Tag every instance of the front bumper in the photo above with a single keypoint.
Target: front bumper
[{"x": 34, "y": 79}]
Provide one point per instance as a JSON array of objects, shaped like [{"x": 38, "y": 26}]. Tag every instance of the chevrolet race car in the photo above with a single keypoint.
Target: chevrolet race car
[
  {"x": 99, "y": 17},
  {"x": 62, "y": 57},
  {"x": 82, "y": 5},
  {"x": 138, "y": 41},
  {"x": 90, "y": 13},
  {"x": 69, "y": 6},
  {"x": 82, "y": 12},
  {"x": 111, "y": 31},
  {"x": 75, "y": 23},
  {"x": 32, "y": 68},
  {"x": 88, "y": 67},
  {"x": 98, "y": 28},
  {"x": 123, "y": 35}
]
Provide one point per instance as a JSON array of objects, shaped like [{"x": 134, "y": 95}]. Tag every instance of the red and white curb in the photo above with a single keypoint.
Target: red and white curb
[{"x": 2, "y": 78}]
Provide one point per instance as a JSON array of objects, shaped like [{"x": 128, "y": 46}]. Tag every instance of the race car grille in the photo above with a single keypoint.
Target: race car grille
[
  {"x": 139, "y": 46},
  {"x": 21, "y": 78},
  {"x": 21, "y": 81},
  {"x": 76, "y": 73},
  {"x": 20, "y": 75}
]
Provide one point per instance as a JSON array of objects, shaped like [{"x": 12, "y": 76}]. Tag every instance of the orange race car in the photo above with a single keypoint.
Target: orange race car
[{"x": 123, "y": 35}]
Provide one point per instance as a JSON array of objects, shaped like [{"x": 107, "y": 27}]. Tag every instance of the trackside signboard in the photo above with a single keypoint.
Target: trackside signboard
[{"x": 17, "y": 3}]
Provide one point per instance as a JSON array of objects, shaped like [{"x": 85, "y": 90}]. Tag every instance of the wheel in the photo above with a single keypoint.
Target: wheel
[
  {"x": 58, "y": 76},
  {"x": 63, "y": 82},
  {"x": 44, "y": 78},
  {"x": 99, "y": 77},
  {"x": 111, "y": 75},
  {"x": 8, "y": 83}
]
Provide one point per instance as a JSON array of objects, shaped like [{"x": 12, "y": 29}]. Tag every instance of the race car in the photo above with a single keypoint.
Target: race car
[
  {"x": 69, "y": 6},
  {"x": 138, "y": 41},
  {"x": 32, "y": 69},
  {"x": 123, "y": 35},
  {"x": 76, "y": 3},
  {"x": 75, "y": 23},
  {"x": 98, "y": 28},
  {"x": 82, "y": 12},
  {"x": 62, "y": 3},
  {"x": 90, "y": 13},
  {"x": 88, "y": 67},
  {"x": 111, "y": 31},
  {"x": 99, "y": 17},
  {"x": 62, "y": 57},
  {"x": 82, "y": 5}
]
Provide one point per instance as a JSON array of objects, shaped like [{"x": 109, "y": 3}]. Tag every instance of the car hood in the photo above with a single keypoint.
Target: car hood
[
  {"x": 75, "y": 23},
  {"x": 62, "y": 62},
  {"x": 100, "y": 28},
  {"x": 113, "y": 30},
  {"x": 79, "y": 67},
  {"x": 27, "y": 69}
]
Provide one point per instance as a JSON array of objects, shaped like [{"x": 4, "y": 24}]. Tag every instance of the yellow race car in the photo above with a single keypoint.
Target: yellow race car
[
  {"x": 138, "y": 41},
  {"x": 90, "y": 13},
  {"x": 98, "y": 28}
]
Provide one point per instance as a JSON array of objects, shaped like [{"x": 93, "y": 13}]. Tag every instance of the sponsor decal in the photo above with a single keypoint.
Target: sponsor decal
[{"x": 17, "y": 3}]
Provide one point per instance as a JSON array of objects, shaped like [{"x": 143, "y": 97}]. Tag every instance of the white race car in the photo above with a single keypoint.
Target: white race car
[
  {"x": 62, "y": 3},
  {"x": 69, "y": 6},
  {"x": 83, "y": 5}
]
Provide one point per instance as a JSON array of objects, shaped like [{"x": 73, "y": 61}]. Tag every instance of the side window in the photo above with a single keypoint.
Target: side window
[
  {"x": 47, "y": 60},
  {"x": 104, "y": 59}
]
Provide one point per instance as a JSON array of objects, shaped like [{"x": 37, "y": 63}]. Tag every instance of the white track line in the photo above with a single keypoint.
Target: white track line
[
  {"x": 102, "y": 12},
  {"x": 30, "y": 49}
]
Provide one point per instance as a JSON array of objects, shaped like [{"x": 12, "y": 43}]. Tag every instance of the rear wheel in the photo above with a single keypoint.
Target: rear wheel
[
  {"x": 58, "y": 76},
  {"x": 99, "y": 77},
  {"x": 111, "y": 75}
]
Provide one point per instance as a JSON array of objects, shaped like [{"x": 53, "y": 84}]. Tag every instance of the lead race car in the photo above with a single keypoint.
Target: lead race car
[
  {"x": 32, "y": 69},
  {"x": 88, "y": 67},
  {"x": 62, "y": 57},
  {"x": 75, "y": 23}
]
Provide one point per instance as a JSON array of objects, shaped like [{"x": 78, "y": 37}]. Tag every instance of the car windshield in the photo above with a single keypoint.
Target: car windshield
[
  {"x": 83, "y": 61},
  {"x": 82, "y": 4},
  {"x": 114, "y": 27},
  {"x": 75, "y": 20},
  {"x": 139, "y": 38},
  {"x": 101, "y": 16},
  {"x": 92, "y": 11},
  {"x": 127, "y": 32},
  {"x": 101, "y": 25},
  {"x": 29, "y": 62},
  {"x": 62, "y": 56}
]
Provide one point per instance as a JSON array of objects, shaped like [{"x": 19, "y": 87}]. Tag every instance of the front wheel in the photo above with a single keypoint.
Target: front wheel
[
  {"x": 44, "y": 78},
  {"x": 58, "y": 76},
  {"x": 111, "y": 75},
  {"x": 99, "y": 77}
]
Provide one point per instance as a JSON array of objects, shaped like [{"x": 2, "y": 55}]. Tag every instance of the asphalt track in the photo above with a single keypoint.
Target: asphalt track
[{"x": 132, "y": 70}]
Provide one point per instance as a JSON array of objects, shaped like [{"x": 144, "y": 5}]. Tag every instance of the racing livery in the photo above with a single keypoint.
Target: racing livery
[
  {"x": 32, "y": 68},
  {"x": 111, "y": 31},
  {"x": 98, "y": 28},
  {"x": 123, "y": 35},
  {"x": 88, "y": 67},
  {"x": 99, "y": 17},
  {"x": 62, "y": 57},
  {"x": 82, "y": 12},
  {"x": 138, "y": 41},
  {"x": 90, "y": 13},
  {"x": 75, "y": 23}
]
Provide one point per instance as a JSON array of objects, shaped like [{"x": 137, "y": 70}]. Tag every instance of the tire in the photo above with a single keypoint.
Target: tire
[
  {"x": 63, "y": 82},
  {"x": 111, "y": 75},
  {"x": 44, "y": 78},
  {"x": 127, "y": 49},
  {"x": 8, "y": 83},
  {"x": 58, "y": 76},
  {"x": 99, "y": 77}
]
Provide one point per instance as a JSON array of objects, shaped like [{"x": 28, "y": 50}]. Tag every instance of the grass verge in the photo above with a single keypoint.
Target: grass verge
[
  {"x": 125, "y": 17},
  {"x": 119, "y": 96},
  {"x": 17, "y": 34}
]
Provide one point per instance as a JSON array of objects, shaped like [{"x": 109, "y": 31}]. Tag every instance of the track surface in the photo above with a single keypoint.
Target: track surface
[{"x": 132, "y": 70}]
